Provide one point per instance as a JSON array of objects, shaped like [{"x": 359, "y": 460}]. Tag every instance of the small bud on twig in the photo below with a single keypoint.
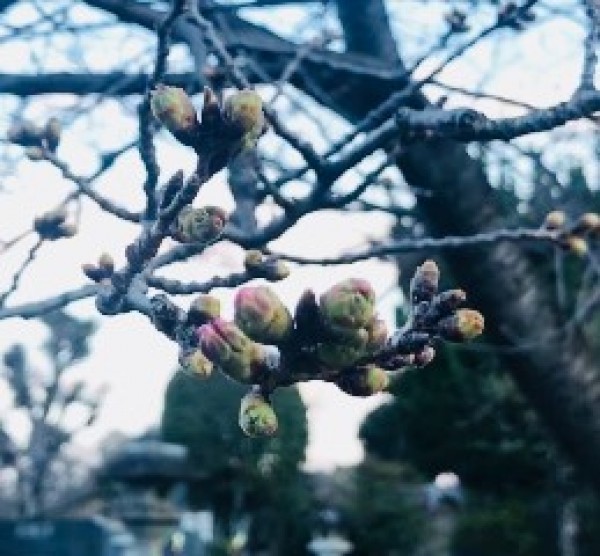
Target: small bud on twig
[{"x": 257, "y": 416}]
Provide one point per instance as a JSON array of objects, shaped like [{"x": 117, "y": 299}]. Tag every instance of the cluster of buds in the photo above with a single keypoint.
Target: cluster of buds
[
  {"x": 53, "y": 225},
  {"x": 260, "y": 266},
  {"x": 573, "y": 236},
  {"x": 236, "y": 126},
  {"x": 102, "y": 270},
  {"x": 350, "y": 328},
  {"x": 199, "y": 225},
  {"x": 36, "y": 139},
  {"x": 337, "y": 337}
]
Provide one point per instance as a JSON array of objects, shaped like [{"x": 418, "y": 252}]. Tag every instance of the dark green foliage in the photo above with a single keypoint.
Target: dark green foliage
[
  {"x": 244, "y": 476},
  {"x": 459, "y": 414},
  {"x": 385, "y": 514},
  {"x": 510, "y": 527}
]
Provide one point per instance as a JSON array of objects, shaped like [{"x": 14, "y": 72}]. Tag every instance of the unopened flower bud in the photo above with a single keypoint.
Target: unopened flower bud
[
  {"x": 262, "y": 267},
  {"x": 424, "y": 357},
  {"x": 195, "y": 363},
  {"x": 576, "y": 245},
  {"x": 262, "y": 315},
  {"x": 245, "y": 109},
  {"x": 35, "y": 153},
  {"x": 51, "y": 225},
  {"x": 230, "y": 349},
  {"x": 174, "y": 109},
  {"x": 200, "y": 225},
  {"x": 25, "y": 134},
  {"x": 52, "y": 133},
  {"x": 587, "y": 223},
  {"x": 378, "y": 335},
  {"x": 204, "y": 309},
  {"x": 555, "y": 220},
  {"x": 107, "y": 263},
  {"x": 424, "y": 283},
  {"x": 364, "y": 381},
  {"x": 350, "y": 303},
  {"x": 462, "y": 326},
  {"x": 257, "y": 416}
]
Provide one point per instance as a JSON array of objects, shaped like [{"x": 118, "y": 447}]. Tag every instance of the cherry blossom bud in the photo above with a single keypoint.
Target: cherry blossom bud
[
  {"x": 174, "y": 109},
  {"x": 462, "y": 326},
  {"x": 257, "y": 417},
  {"x": 555, "y": 220},
  {"x": 195, "y": 363},
  {"x": 587, "y": 223},
  {"x": 364, "y": 381},
  {"x": 230, "y": 349},
  {"x": 350, "y": 303},
  {"x": 245, "y": 108},
  {"x": 200, "y": 225},
  {"x": 262, "y": 267},
  {"x": 52, "y": 133},
  {"x": 576, "y": 245},
  {"x": 424, "y": 283},
  {"x": 204, "y": 309},
  {"x": 262, "y": 315}
]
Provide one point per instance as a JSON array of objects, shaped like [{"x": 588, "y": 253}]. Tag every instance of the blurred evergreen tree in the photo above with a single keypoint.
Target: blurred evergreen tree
[{"x": 253, "y": 482}]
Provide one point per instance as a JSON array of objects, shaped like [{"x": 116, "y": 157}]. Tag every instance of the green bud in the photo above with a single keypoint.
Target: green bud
[
  {"x": 231, "y": 350},
  {"x": 364, "y": 381},
  {"x": 350, "y": 304},
  {"x": 257, "y": 417},
  {"x": 200, "y": 225},
  {"x": 174, "y": 109},
  {"x": 195, "y": 363},
  {"x": 245, "y": 109},
  {"x": 204, "y": 309},
  {"x": 462, "y": 326},
  {"x": 424, "y": 283},
  {"x": 262, "y": 267},
  {"x": 262, "y": 315}
]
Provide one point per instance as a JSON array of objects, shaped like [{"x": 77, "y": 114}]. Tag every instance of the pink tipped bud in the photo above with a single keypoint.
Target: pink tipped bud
[
  {"x": 262, "y": 315},
  {"x": 350, "y": 303},
  {"x": 230, "y": 349}
]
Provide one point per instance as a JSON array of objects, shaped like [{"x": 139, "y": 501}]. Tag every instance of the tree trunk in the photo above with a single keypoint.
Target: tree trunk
[{"x": 557, "y": 374}]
